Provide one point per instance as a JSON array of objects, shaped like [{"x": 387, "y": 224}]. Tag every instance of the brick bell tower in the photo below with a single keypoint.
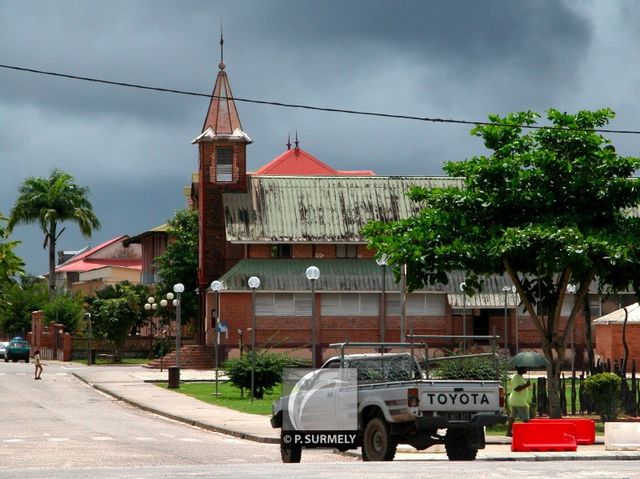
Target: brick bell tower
[{"x": 222, "y": 169}]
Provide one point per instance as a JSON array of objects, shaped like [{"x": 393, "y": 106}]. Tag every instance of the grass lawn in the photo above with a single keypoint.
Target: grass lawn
[
  {"x": 229, "y": 396},
  {"x": 125, "y": 361}
]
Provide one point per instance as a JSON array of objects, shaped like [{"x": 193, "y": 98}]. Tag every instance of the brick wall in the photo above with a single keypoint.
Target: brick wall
[
  {"x": 214, "y": 249},
  {"x": 609, "y": 341}
]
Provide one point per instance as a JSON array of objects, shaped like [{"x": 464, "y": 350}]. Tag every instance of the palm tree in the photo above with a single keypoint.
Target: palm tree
[{"x": 50, "y": 201}]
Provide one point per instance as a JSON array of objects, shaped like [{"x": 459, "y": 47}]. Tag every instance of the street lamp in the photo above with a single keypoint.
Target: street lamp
[
  {"x": 505, "y": 290},
  {"x": 216, "y": 286},
  {"x": 178, "y": 288},
  {"x": 313, "y": 273},
  {"x": 382, "y": 262},
  {"x": 463, "y": 287},
  {"x": 254, "y": 283}
]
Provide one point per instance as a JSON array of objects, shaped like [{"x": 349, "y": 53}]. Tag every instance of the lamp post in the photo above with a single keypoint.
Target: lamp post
[
  {"x": 505, "y": 290},
  {"x": 216, "y": 286},
  {"x": 571, "y": 289},
  {"x": 254, "y": 283},
  {"x": 463, "y": 287},
  {"x": 313, "y": 273},
  {"x": 382, "y": 262},
  {"x": 178, "y": 288}
]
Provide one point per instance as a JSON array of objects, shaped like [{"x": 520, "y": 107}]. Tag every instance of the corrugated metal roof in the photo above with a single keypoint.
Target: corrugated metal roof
[
  {"x": 617, "y": 317},
  {"x": 491, "y": 296},
  {"x": 320, "y": 209},
  {"x": 289, "y": 275}
]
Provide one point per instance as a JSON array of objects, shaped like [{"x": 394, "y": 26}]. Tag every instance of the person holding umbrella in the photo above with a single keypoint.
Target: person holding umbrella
[{"x": 519, "y": 398}]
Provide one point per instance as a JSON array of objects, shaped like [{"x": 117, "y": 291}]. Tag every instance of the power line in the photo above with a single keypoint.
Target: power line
[{"x": 307, "y": 107}]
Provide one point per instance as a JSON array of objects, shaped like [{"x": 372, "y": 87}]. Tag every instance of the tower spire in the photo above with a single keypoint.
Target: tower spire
[
  {"x": 221, "y": 65},
  {"x": 289, "y": 141},
  {"x": 296, "y": 142}
]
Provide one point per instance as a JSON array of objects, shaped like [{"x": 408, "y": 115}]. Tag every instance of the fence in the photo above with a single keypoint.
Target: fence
[{"x": 574, "y": 399}]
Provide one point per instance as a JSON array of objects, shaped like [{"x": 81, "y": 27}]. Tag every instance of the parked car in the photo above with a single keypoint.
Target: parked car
[
  {"x": 3, "y": 348},
  {"x": 17, "y": 349}
]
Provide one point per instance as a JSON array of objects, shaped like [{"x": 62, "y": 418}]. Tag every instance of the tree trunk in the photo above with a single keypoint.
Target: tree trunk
[
  {"x": 625, "y": 344},
  {"x": 588, "y": 331},
  {"x": 52, "y": 259},
  {"x": 553, "y": 382}
]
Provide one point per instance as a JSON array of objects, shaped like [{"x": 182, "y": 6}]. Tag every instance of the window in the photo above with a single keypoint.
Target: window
[
  {"x": 418, "y": 304},
  {"x": 350, "y": 304},
  {"x": 346, "y": 251},
  {"x": 224, "y": 164},
  {"x": 283, "y": 304},
  {"x": 281, "y": 251}
]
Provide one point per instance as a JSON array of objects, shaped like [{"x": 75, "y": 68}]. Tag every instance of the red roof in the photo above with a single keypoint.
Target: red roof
[
  {"x": 222, "y": 116},
  {"x": 84, "y": 262},
  {"x": 300, "y": 163}
]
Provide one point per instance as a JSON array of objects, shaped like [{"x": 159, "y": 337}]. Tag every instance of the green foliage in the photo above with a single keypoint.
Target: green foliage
[
  {"x": 49, "y": 202},
  {"x": 64, "y": 309},
  {"x": 10, "y": 263},
  {"x": 604, "y": 389},
  {"x": 268, "y": 370},
  {"x": 179, "y": 263},
  {"x": 161, "y": 347},
  {"x": 548, "y": 208},
  {"x": 470, "y": 369},
  {"x": 116, "y": 311},
  {"x": 18, "y": 300}
]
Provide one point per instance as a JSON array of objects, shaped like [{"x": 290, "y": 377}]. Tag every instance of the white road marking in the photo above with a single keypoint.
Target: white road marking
[
  {"x": 13, "y": 440},
  {"x": 189, "y": 439},
  {"x": 57, "y": 439},
  {"x": 21, "y": 374},
  {"x": 102, "y": 438},
  {"x": 145, "y": 438}
]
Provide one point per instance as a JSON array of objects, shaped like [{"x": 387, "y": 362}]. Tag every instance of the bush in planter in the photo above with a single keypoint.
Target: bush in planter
[
  {"x": 604, "y": 390},
  {"x": 268, "y": 370}
]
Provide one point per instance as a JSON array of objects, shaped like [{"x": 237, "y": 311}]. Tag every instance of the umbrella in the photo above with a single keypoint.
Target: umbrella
[{"x": 529, "y": 360}]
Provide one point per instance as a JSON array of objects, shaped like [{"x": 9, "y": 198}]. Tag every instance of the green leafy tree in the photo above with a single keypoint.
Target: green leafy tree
[
  {"x": 10, "y": 263},
  {"x": 19, "y": 299},
  {"x": 50, "y": 202},
  {"x": 179, "y": 263},
  {"x": 548, "y": 207},
  {"x": 116, "y": 311},
  {"x": 64, "y": 309}
]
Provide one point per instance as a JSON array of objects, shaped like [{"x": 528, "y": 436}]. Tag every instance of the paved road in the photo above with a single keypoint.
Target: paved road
[
  {"x": 61, "y": 423},
  {"x": 62, "y": 428}
]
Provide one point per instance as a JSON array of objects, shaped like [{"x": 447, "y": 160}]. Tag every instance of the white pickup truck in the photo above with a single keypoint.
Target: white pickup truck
[{"x": 396, "y": 404}]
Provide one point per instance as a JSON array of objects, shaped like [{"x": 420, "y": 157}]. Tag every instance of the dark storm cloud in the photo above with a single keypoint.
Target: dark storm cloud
[{"x": 449, "y": 59}]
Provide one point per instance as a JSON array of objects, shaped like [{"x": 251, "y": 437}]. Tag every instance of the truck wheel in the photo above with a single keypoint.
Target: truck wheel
[
  {"x": 26, "y": 360},
  {"x": 378, "y": 444},
  {"x": 290, "y": 453},
  {"x": 457, "y": 446}
]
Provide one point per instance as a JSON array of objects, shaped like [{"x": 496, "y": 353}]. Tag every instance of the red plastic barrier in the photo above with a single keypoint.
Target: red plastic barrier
[
  {"x": 544, "y": 436},
  {"x": 585, "y": 428}
]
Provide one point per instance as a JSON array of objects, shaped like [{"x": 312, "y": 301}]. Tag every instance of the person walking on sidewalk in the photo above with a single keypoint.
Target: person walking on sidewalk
[
  {"x": 36, "y": 361},
  {"x": 518, "y": 399}
]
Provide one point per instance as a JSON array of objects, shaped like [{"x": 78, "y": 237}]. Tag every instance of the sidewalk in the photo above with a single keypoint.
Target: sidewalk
[{"x": 133, "y": 385}]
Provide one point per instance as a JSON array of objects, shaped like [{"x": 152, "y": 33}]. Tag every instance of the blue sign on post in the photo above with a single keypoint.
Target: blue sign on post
[{"x": 222, "y": 327}]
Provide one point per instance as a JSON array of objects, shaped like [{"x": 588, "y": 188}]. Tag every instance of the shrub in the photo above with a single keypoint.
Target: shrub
[
  {"x": 469, "y": 369},
  {"x": 604, "y": 389},
  {"x": 268, "y": 370}
]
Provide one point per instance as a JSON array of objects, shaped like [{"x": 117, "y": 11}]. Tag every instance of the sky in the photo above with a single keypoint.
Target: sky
[{"x": 454, "y": 59}]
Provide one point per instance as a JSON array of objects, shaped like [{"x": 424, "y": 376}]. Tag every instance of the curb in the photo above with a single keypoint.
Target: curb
[
  {"x": 424, "y": 457},
  {"x": 190, "y": 422}
]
